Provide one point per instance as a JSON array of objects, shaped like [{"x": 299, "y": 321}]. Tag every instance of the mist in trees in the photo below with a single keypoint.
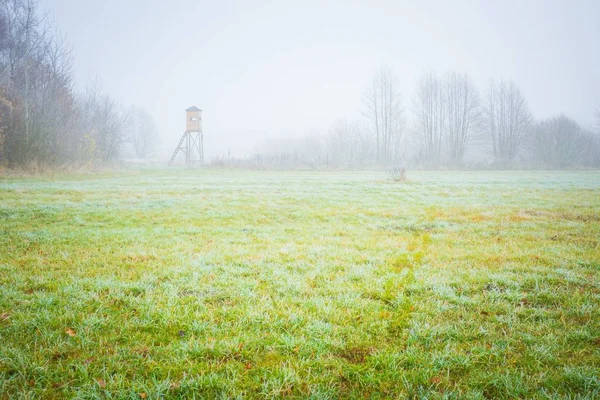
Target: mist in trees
[
  {"x": 36, "y": 86},
  {"x": 449, "y": 118},
  {"x": 428, "y": 110},
  {"x": 103, "y": 123},
  {"x": 462, "y": 113},
  {"x": 560, "y": 142},
  {"x": 385, "y": 115},
  {"x": 144, "y": 132},
  {"x": 507, "y": 119},
  {"x": 349, "y": 143},
  {"x": 43, "y": 120},
  {"x": 449, "y": 122}
]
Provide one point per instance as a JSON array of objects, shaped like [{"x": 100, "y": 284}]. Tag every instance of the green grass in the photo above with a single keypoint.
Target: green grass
[{"x": 224, "y": 284}]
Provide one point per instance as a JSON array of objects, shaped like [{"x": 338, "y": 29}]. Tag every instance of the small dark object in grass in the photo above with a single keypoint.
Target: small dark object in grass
[
  {"x": 181, "y": 333},
  {"x": 398, "y": 174}
]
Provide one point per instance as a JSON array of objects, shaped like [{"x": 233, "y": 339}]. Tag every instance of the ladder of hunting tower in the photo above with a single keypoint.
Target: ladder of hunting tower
[{"x": 177, "y": 149}]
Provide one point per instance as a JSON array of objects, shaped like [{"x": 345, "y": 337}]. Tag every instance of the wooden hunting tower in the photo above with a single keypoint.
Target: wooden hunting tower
[
  {"x": 191, "y": 143},
  {"x": 193, "y": 116}
]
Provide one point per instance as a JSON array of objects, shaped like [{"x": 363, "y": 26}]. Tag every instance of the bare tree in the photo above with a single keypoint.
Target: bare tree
[
  {"x": 594, "y": 153},
  {"x": 144, "y": 132},
  {"x": 103, "y": 123},
  {"x": 35, "y": 75},
  {"x": 507, "y": 119},
  {"x": 560, "y": 142},
  {"x": 385, "y": 114},
  {"x": 429, "y": 112},
  {"x": 461, "y": 113},
  {"x": 348, "y": 144},
  {"x": 315, "y": 150},
  {"x": 5, "y": 108},
  {"x": 111, "y": 127}
]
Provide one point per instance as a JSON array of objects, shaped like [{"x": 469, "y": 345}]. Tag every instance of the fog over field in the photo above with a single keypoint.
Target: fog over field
[{"x": 265, "y": 71}]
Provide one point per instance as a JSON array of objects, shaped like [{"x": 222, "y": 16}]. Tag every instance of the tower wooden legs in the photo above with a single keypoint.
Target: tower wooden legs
[{"x": 191, "y": 145}]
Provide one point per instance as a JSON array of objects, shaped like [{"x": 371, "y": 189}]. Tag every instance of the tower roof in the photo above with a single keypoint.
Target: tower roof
[{"x": 193, "y": 108}]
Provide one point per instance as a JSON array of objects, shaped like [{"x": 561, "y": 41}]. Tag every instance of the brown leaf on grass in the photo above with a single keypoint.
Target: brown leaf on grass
[
  {"x": 143, "y": 351},
  {"x": 70, "y": 332},
  {"x": 143, "y": 395},
  {"x": 248, "y": 365},
  {"x": 4, "y": 316},
  {"x": 524, "y": 302},
  {"x": 435, "y": 380},
  {"x": 101, "y": 382},
  {"x": 174, "y": 385}
]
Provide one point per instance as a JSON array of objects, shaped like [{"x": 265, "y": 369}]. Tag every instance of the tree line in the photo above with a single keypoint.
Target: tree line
[
  {"x": 43, "y": 119},
  {"x": 448, "y": 116}
]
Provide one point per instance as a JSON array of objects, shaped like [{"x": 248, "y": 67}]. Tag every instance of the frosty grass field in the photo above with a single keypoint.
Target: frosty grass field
[{"x": 175, "y": 283}]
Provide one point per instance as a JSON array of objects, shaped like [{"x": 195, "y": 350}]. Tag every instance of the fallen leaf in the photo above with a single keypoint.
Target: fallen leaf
[
  {"x": 101, "y": 383},
  {"x": 435, "y": 380},
  {"x": 143, "y": 395},
  {"x": 524, "y": 302},
  {"x": 174, "y": 385},
  {"x": 248, "y": 365},
  {"x": 144, "y": 351},
  {"x": 70, "y": 332},
  {"x": 4, "y": 316}
]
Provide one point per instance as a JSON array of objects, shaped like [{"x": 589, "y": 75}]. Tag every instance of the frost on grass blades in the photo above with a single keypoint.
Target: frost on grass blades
[{"x": 261, "y": 284}]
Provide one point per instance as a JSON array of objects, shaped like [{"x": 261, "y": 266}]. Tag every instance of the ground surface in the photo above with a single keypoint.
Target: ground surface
[{"x": 324, "y": 285}]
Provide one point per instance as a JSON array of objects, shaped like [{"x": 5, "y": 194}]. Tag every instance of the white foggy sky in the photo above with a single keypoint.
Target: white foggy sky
[{"x": 271, "y": 69}]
